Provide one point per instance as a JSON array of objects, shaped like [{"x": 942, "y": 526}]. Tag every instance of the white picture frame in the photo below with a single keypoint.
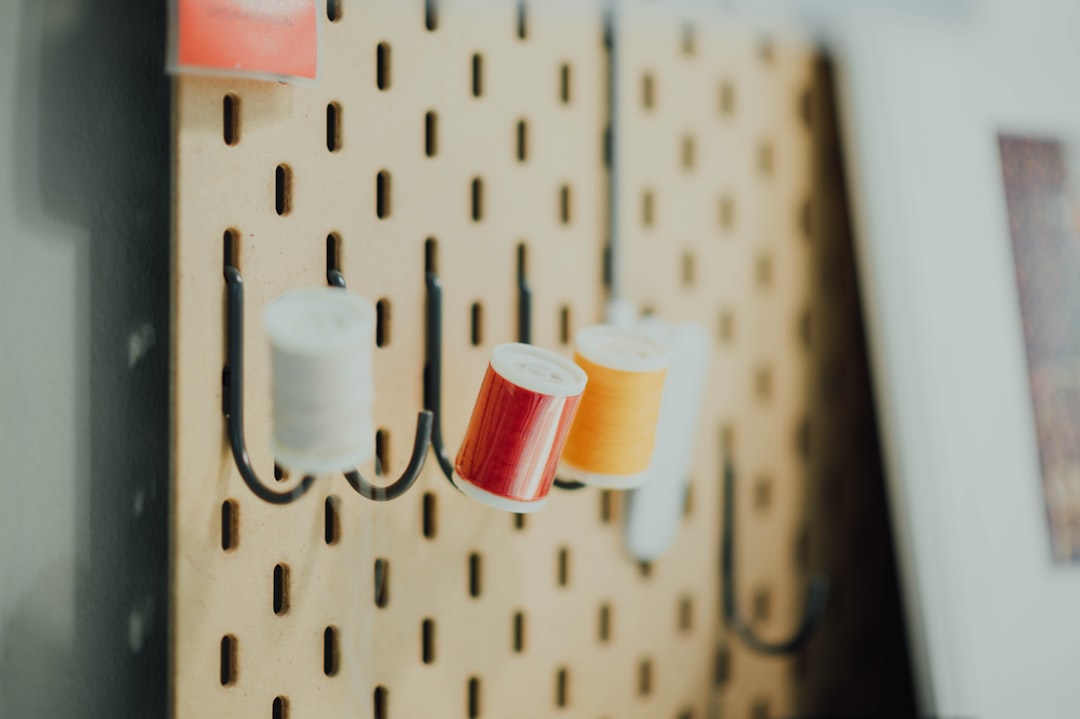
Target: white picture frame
[{"x": 994, "y": 622}]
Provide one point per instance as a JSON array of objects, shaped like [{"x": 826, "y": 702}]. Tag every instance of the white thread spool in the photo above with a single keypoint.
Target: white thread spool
[{"x": 322, "y": 340}]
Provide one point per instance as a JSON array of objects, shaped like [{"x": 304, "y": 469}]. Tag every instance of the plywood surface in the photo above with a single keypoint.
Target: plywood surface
[{"x": 482, "y": 613}]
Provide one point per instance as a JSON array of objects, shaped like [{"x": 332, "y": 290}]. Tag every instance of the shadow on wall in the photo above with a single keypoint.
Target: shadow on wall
[{"x": 88, "y": 637}]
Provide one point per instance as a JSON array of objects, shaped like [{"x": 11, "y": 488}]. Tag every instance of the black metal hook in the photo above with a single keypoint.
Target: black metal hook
[
  {"x": 420, "y": 443},
  {"x": 818, "y": 596},
  {"x": 233, "y": 386},
  {"x": 433, "y": 353},
  {"x": 525, "y": 335},
  {"x": 433, "y": 367}
]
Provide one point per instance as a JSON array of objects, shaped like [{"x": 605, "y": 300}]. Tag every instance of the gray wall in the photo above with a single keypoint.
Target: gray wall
[{"x": 84, "y": 238}]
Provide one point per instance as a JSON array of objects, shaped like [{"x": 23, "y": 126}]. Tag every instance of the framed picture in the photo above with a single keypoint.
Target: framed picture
[
  {"x": 962, "y": 141},
  {"x": 1042, "y": 195}
]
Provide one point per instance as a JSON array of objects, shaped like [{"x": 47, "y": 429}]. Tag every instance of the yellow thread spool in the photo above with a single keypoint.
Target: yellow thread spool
[{"x": 611, "y": 441}]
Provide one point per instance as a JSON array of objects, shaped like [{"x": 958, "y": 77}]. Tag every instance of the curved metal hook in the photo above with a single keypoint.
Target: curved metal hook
[
  {"x": 233, "y": 388},
  {"x": 420, "y": 444},
  {"x": 525, "y": 337},
  {"x": 408, "y": 477},
  {"x": 433, "y": 352},
  {"x": 433, "y": 370},
  {"x": 815, "y": 601},
  {"x": 233, "y": 381}
]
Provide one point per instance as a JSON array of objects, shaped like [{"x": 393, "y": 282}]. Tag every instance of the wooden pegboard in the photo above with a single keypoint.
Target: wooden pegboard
[
  {"x": 714, "y": 172},
  {"x": 485, "y": 614}
]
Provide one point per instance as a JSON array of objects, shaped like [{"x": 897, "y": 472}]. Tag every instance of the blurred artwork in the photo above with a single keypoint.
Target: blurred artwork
[{"x": 1042, "y": 192}]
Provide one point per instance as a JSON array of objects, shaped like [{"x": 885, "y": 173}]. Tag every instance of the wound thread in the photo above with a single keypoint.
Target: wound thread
[
  {"x": 321, "y": 341},
  {"x": 518, "y": 427},
  {"x": 611, "y": 442}
]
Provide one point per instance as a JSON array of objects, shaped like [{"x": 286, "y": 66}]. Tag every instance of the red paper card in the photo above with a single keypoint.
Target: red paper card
[{"x": 264, "y": 37}]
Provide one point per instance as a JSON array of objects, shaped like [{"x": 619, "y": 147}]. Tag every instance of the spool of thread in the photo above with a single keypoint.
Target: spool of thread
[
  {"x": 519, "y": 425},
  {"x": 321, "y": 342},
  {"x": 611, "y": 442}
]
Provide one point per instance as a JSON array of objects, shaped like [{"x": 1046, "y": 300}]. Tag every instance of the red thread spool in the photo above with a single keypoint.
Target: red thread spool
[{"x": 520, "y": 422}]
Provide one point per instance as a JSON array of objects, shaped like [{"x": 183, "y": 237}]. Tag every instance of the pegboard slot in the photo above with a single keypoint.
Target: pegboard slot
[
  {"x": 382, "y": 66},
  {"x": 431, "y": 133},
  {"x": 230, "y": 106},
  {"x": 476, "y": 194},
  {"x": 766, "y": 49},
  {"x": 475, "y": 575},
  {"x": 564, "y": 324},
  {"x": 727, "y": 213},
  {"x": 519, "y": 632},
  {"x": 474, "y": 698},
  {"x": 280, "y": 708},
  {"x": 228, "y": 668},
  {"x": 721, "y": 667},
  {"x": 431, "y": 15},
  {"x": 382, "y": 582},
  {"x": 429, "y": 512},
  {"x": 283, "y": 190},
  {"x": 727, "y": 326},
  {"x": 603, "y": 632},
  {"x": 562, "y": 688},
  {"x": 645, "y": 678},
  {"x": 686, "y": 614},
  {"x": 688, "y": 265},
  {"x": 689, "y": 44},
  {"x": 563, "y": 574},
  {"x": 476, "y": 324},
  {"x": 564, "y": 204},
  {"x": 648, "y": 91},
  {"x": 427, "y": 641},
  {"x": 382, "y": 322},
  {"x": 761, "y": 606},
  {"x": 689, "y": 152},
  {"x": 477, "y": 75},
  {"x": 382, "y": 452},
  {"x": 765, "y": 158},
  {"x": 333, "y": 127},
  {"x": 381, "y": 703},
  {"x": 806, "y": 108},
  {"x": 763, "y": 491},
  {"x": 606, "y": 500},
  {"x": 331, "y": 651},
  {"x": 230, "y": 515},
  {"x": 522, "y": 140},
  {"x": 382, "y": 194},
  {"x": 519, "y": 521},
  {"x": 522, "y": 20},
  {"x": 281, "y": 589},
  {"x": 564, "y": 83},
  {"x": 332, "y": 520},
  {"x": 727, "y": 98}
]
